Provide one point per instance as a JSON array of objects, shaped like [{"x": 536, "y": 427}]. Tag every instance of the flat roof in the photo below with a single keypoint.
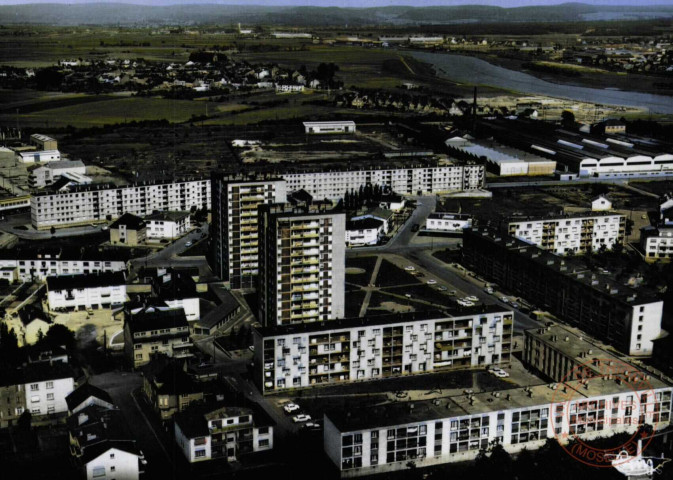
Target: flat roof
[
  {"x": 384, "y": 319},
  {"x": 167, "y": 216},
  {"x": 569, "y": 266},
  {"x": 565, "y": 216},
  {"x": 81, "y": 282},
  {"x": 473, "y": 404},
  {"x": 335, "y": 122},
  {"x": 42, "y": 138}
]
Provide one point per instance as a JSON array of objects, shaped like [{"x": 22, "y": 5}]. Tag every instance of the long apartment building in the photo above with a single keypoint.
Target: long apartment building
[
  {"x": 572, "y": 234},
  {"x": 625, "y": 317},
  {"x": 406, "y": 181},
  {"x": 234, "y": 238},
  {"x": 302, "y": 264},
  {"x": 385, "y": 438},
  {"x": 99, "y": 203},
  {"x": 29, "y": 264},
  {"x": 377, "y": 347}
]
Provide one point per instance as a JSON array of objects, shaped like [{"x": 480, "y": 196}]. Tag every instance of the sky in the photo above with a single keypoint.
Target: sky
[{"x": 353, "y": 3}]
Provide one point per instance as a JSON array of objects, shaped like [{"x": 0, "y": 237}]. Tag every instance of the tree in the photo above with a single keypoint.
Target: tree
[
  {"x": 567, "y": 119},
  {"x": 60, "y": 335},
  {"x": 25, "y": 421}
]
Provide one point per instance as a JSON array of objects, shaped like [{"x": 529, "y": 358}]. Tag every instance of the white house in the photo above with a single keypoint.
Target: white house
[
  {"x": 289, "y": 88},
  {"x": 600, "y": 204},
  {"x": 222, "y": 430},
  {"x": 386, "y": 216},
  {"x": 73, "y": 292},
  {"x": 114, "y": 460},
  {"x": 448, "y": 222},
  {"x": 167, "y": 225},
  {"x": 367, "y": 231}
]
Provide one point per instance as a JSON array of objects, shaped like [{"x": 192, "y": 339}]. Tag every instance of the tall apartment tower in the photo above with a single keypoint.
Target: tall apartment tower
[
  {"x": 302, "y": 263},
  {"x": 233, "y": 230}
]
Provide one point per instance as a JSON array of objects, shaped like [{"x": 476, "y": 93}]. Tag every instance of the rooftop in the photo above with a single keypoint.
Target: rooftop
[
  {"x": 152, "y": 318},
  {"x": 84, "y": 391},
  {"x": 384, "y": 319},
  {"x": 364, "y": 224},
  {"x": 565, "y": 216},
  {"x": 571, "y": 267},
  {"x": 132, "y": 222},
  {"x": 167, "y": 216},
  {"x": 81, "y": 282}
]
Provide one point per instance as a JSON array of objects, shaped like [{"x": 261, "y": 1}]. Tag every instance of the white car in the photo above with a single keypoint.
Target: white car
[
  {"x": 432, "y": 282},
  {"x": 504, "y": 299},
  {"x": 489, "y": 290},
  {"x": 501, "y": 374},
  {"x": 472, "y": 298},
  {"x": 409, "y": 268},
  {"x": 301, "y": 418},
  {"x": 291, "y": 407},
  {"x": 188, "y": 244}
]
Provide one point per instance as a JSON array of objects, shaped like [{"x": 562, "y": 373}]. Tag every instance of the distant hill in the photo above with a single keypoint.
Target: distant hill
[{"x": 202, "y": 14}]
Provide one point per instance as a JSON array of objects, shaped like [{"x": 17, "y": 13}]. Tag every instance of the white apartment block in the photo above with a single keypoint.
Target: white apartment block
[
  {"x": 101, "y": 203},
  {"x": 407, "y": 181},
  {"x": 75, "y": 292},
  {"x": 572, "y": 234},
  {"x": 448, "y": 222},
  {"x": 302, "y": 264},
  {"x": 657, "y": 242},
  {"x": 385, "y": 346},
  {"x": 168, "y": 225},
  {"x": 49, "y": 173},
  {"x": 360, "y": 233},
  {"x": 46, "y": 397},
  {"x": 386, "y": 438},
  {"x": 234, "y": 227},
  {"x": 28, "y": 270}
]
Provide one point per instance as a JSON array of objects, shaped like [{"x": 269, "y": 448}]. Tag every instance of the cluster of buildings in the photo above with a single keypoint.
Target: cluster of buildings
[{"x": 609, "y": 155}]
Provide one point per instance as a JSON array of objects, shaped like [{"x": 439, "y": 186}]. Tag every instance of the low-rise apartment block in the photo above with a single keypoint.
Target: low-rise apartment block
[
  {"x": 234, "y": 236},
  {"x": 625, "y": 317},
  {"x": 302, "y": 264},
  {"x": 383, "y": 346},
  {"x": 168, "y": 388},
  {"x": 99, "y": 203},
  {"x": 36, "y": 265},
  {"x": 128, "y": 230},
  {"x": 365, "y": 232},
  {"x": 225, "y": 430},
  {"x": 386, "y": 438},
  {"x": 657, "y": 243},
  {"x": 572, "y": 234},
  {"x": 333, "y": 185},
  {"x": 444, "y": 222},
  {"x": 97, "y": 290},
  {"x": 149, "y": 331}
]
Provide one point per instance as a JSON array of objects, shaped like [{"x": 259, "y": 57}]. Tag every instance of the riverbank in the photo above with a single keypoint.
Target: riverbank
[{"x": 476, "y": 71}]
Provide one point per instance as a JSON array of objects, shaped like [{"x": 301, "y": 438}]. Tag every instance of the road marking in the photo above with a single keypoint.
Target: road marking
[{"x": 151, "y": 428}]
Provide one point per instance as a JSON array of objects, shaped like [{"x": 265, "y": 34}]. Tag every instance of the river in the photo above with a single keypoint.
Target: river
[{"x": 475, "y": 71}]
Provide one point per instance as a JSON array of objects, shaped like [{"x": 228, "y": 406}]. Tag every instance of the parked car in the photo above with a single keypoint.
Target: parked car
[
  {"x": 472, "y": 298},
  {"x": 291, "y": 407},
  {"x": 409, "y": 268},
  {"x": 515, "y": 305},
  {"x": 452, "y": 293},
  {"x": 188, "y": 244},
  {"x": 489, "y": 290},
  {"x": 443, "y": 288},
  {"x": 302, "y": 417},
  {"x": 432, "y": 282},
  {"x": 504, "y": 299}
]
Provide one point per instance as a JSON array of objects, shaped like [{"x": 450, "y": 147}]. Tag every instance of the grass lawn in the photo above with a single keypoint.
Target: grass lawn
[
  {"x": 392, "y": 276},
  {"x": 354, "y": 299}
]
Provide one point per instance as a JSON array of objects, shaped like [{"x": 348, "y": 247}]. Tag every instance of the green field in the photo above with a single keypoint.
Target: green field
[{"x": 108, "y": 111}]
